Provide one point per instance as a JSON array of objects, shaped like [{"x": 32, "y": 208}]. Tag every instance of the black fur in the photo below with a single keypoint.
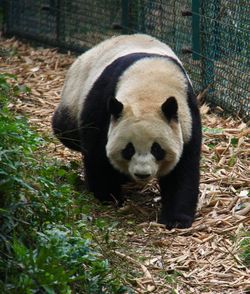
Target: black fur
[
  {"x": 65, "y": 128},
  {"x": 170, "y": 108},
  {"x": 157, "y": 151},
  {"x": 128, "y": 151},
  {"x": 179, "y": 189},
  {"x": 115, "y": 108}
]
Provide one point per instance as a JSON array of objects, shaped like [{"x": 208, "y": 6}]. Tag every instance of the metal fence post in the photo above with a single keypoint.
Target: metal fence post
[
  {"x": 210, "y": 16},
  {"x": 125, "y": 16},
  {"x": 60, "y": 6},
  {"x": 196, "y": 29}
]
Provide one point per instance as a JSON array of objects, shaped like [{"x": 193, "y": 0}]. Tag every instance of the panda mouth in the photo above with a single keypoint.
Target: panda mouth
[{"x": 142, "y": 177}]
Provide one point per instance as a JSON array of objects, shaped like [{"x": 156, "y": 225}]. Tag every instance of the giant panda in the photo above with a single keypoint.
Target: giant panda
[{"x": 128, "y": 106}]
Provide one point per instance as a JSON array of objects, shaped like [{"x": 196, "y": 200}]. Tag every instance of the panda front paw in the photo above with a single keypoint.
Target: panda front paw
[{"x": 178, "y": 222}]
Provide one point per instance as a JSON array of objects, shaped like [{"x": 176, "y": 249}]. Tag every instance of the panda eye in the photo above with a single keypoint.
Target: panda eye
[
  {"x": 128, "y": 151},
  {"x": 157, "y": 151}
]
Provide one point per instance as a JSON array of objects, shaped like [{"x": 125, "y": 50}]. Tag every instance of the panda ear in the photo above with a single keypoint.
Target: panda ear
[
  {"x": 115, "y": 107},
  {"x": 170, "y": 108}
]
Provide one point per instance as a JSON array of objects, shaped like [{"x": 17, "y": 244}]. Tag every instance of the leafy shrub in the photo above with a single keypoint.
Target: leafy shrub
[
  {"x": 43, "y": 248},
  {"x": 245, "y": 249}
]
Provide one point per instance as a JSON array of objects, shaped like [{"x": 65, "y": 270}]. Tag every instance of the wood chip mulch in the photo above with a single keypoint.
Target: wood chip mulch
[{"x": 203, "y": 259}]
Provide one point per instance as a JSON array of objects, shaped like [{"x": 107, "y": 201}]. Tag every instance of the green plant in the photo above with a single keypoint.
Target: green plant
[
  {"x": 46, "y": 242},
  {"x": 245, "y": 249},
  {"x": 60, "y": 258}
]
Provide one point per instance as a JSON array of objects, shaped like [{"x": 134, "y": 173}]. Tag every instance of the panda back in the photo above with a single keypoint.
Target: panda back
[{"x": 89, "y": 66}]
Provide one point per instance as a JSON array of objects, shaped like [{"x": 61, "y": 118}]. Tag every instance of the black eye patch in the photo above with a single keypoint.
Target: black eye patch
[
  {"x": 128, "y": 151},
  {"x": 157, "y": 151}
]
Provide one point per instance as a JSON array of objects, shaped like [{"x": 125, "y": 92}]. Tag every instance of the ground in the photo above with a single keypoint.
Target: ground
[{"x": 201, "y": 259}]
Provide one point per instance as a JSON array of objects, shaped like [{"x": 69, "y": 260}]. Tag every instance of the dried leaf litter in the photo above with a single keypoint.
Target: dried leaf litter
[{"x": 201, "y": 259}]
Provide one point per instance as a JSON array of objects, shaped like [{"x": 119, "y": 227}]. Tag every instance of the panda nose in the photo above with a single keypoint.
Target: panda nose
[{"x": 142, "y": 176}]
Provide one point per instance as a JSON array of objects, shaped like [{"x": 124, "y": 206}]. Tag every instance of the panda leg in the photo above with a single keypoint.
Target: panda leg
[
  {"x": 179, "y": 191},
  {"x": 102, "y": 180}
]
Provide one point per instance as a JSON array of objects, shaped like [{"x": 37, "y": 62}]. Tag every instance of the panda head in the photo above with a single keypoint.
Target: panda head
[{"x": 144, "y": 147}]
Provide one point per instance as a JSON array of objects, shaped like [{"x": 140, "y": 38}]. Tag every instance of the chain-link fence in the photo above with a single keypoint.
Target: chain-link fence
[{"x": 210, "y": 37}]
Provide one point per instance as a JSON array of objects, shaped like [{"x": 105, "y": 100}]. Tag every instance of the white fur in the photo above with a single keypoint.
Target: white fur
[{"x": 146, "y": 85}]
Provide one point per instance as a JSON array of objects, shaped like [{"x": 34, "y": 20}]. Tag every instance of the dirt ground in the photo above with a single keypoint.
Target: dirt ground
[{"x": 201, "y": 259}]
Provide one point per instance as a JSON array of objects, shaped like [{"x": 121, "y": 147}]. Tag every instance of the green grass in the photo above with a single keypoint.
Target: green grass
[
  {"x": 245, "y": 249},
  {"x": 46, "y": 240}
]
